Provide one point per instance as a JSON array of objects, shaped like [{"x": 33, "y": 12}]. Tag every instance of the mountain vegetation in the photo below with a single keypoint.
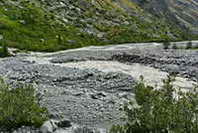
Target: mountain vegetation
[{"x": 56, "y": 25}]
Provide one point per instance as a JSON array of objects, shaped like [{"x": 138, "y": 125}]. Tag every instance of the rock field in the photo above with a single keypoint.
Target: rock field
[{"x": 84, "y": 89}]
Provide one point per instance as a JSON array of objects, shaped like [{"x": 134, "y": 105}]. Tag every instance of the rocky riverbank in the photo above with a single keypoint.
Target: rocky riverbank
[{"x": 84, "y": 89}]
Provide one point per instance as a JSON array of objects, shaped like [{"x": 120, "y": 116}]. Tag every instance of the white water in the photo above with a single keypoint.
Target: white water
[
  {"x": 126, "y": 46},
  {"x": 151, "y": 75}
]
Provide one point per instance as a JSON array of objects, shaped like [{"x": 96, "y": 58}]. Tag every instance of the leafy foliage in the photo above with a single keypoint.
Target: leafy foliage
[
  {"x": 19, "y": 107},
  {"x": 161, "y": 111}
]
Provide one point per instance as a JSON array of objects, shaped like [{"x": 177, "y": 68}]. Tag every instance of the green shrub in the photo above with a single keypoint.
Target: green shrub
[
  {"x": 4, "y": 50},
  {"x": 161, "y": 111},
  {"x": 19, "y": 107}
]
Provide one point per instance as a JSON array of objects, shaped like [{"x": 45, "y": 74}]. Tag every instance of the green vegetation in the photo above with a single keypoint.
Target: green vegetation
[
  {"x": 140, "y": 28},
  {"x": 32, "y": 28},
  {"x": 19, "y": 107},
  {"x": 3, "y": 50},
  {"x": 28, "y": 26},
  {"x": 161, "y": 111}
]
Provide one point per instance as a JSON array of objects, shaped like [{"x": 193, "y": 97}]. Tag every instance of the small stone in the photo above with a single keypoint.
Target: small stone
[
  {"x": 100, "y": 35},
  {"x": 22, "y": 22},
  {"x": 49, "y": 126}
]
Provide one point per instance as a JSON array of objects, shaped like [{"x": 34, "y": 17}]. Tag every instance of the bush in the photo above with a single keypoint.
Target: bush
[
  {"x": 19, "y": 107},
  {"x": 166, "y": 45},
  {"x": 189, "y": 45},
  {"x": 4, "y": 50},
  {"x": 159, "y": 111}
]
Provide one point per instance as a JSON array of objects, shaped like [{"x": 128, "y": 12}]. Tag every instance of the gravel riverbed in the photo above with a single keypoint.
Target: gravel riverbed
[{"x": 88, "y": 86}]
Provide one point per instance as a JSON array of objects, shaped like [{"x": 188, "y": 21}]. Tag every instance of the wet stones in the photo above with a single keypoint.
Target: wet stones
[
  {"x": 99, "y": 95},
  {"x": 133, "y": 58}
]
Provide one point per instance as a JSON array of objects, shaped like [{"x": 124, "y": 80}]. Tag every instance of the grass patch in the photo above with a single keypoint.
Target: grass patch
[{"x": 19, "y": 107}]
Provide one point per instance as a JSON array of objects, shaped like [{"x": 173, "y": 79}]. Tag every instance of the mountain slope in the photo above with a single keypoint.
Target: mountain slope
[
  {"x": 113, "y": 19},
  {"x": 181, "y": 12},
  {"x": 25, "y": 25},
  {"x": 51, "y": 25}
]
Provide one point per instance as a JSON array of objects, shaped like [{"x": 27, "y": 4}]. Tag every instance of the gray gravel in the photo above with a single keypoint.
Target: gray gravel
[
  {"x": 86, "y": 97},
  {"x": 89, "y": 98}
]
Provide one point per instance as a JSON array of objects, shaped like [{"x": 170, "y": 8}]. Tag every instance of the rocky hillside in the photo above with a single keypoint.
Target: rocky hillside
[
  {"x": 51, "y": 25},
  {"x": 181, "y": 12},
  {"x": 113, "y": 20}
]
